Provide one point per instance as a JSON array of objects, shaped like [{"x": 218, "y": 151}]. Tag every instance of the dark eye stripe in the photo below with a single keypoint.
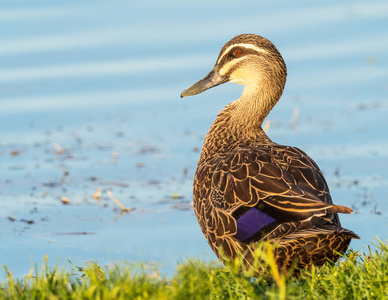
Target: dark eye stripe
[{"x": 230, "y": 55}]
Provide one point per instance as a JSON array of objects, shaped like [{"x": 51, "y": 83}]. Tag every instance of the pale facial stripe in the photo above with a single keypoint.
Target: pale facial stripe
[
  {"x": 229, "y": 65},
  {"x": 247, "y": 46}
]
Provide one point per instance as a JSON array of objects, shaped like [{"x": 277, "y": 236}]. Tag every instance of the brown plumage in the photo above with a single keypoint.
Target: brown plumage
[{"x": 249, "y": 189}]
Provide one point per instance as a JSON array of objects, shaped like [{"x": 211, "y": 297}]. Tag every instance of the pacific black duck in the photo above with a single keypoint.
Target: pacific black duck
[{"x": 249, "y": 189}]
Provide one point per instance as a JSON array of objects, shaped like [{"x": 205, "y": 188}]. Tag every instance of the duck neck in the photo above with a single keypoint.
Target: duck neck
[
  {"x": 252, "y": 108},
  {"x": 239, "y": 123}
]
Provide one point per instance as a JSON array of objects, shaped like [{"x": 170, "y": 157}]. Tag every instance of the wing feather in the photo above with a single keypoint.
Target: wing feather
[{"x": 283, "y": 180}]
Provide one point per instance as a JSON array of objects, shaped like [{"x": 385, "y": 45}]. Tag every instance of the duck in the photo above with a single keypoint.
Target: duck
[{"x": 249, "y": 190}]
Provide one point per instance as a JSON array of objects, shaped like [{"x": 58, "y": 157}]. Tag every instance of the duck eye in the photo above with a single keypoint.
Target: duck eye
[{"x": 237, "y": 52}]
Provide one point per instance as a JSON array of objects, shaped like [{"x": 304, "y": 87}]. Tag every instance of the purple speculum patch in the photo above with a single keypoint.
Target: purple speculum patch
[{"x": 252, "y": 222}]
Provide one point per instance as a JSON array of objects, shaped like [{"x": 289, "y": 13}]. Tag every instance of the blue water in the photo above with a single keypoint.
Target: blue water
[{"x": 103, "y": 78}]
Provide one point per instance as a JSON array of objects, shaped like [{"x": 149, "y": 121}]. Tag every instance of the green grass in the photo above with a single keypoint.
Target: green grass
[{"x": 356, "y": 276}]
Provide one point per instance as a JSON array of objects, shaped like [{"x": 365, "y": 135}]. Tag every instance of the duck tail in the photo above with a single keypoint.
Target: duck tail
[{"x": 341, "y": 209}]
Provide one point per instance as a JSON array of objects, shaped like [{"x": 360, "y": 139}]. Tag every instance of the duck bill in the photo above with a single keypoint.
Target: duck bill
[{"x": 211, "y": 80}]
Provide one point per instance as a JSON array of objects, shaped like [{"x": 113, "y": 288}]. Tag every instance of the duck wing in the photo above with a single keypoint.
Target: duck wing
[
  {"x": 281, "y": 181},
  {"x": 262, "y": 187}
]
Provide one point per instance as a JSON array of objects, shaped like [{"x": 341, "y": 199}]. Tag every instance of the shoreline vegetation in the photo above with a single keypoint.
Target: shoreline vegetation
[{"x": 354, "y": 276}]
